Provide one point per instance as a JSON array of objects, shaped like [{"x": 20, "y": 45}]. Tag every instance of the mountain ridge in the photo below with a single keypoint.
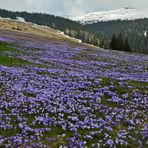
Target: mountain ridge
[{"x": 116, "y": 14}]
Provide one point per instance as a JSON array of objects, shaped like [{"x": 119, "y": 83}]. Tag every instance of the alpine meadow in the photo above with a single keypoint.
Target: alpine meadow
[{"x": 78, "y": 79}]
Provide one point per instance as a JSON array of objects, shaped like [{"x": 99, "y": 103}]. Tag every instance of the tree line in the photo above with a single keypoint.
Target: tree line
[
  {"x": 119, "y": 43},
  {"x": 135, "y": 30}
]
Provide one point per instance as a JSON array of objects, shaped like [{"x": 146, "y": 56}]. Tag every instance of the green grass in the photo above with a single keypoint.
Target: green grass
[
  {"x": 7, "y": 133},
  {"x": 7, "y": 47},
  {"x": 13, "y": 60},
  {"x": 138, "y": 84}
]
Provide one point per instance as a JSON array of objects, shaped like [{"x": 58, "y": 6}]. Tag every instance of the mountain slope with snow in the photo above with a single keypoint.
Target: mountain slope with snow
[{"x": 121, "y": 14}]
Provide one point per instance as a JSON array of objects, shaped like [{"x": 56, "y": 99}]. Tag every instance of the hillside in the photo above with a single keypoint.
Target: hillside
[
  {"x": 60, "y": 93},
  {"x": 69, "y": 27},
  {"x": 16, "y": 26}
]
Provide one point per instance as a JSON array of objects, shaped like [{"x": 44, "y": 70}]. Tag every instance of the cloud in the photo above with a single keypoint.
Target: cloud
[{"x": 69, "y": 7}]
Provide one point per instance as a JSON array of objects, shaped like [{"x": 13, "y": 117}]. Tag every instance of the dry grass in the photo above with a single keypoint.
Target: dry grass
[{"x": 30, "y": 30}]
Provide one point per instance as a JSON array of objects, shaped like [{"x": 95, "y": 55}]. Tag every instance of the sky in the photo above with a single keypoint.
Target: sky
[{"x": 70, "y": 7}]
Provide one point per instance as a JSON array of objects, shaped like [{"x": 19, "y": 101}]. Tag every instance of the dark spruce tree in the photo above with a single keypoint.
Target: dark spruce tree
[
  {"x": 113, "y": 42},
  {"x": 126, "y": 45},
  {"x": 119, "y": 45},
  {"x": 101, "y": 44}
]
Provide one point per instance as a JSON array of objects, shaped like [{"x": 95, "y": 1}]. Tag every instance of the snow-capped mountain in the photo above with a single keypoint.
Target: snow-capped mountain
[{"x": 121, "y": 14}]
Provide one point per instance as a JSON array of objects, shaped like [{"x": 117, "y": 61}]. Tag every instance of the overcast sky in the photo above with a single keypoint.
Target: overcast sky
[{"x": 70, "y": 7}]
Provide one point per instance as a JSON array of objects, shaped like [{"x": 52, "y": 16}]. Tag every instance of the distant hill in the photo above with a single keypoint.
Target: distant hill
[
  {"x": 68, "y": 26},
  {"x": 117, "y": 14}
]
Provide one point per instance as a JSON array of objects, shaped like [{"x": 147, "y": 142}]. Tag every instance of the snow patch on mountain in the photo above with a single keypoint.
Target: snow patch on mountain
[
  {"x": 20, "y": 19},
  {"x": 121, "y": 14},
  {"x": 66, "y": 36}
]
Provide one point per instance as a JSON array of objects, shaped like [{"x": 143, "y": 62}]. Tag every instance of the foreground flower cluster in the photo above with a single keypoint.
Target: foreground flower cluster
[{"x": 64, "y": 95}]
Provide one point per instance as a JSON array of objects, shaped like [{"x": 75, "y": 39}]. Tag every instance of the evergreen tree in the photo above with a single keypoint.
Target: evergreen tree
[
  {"x": 113, "y": 42},
  {"x": 119, "y": 43},
  {"x": 126, "y": 45},
  {"x": 101, "y": 44}
]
